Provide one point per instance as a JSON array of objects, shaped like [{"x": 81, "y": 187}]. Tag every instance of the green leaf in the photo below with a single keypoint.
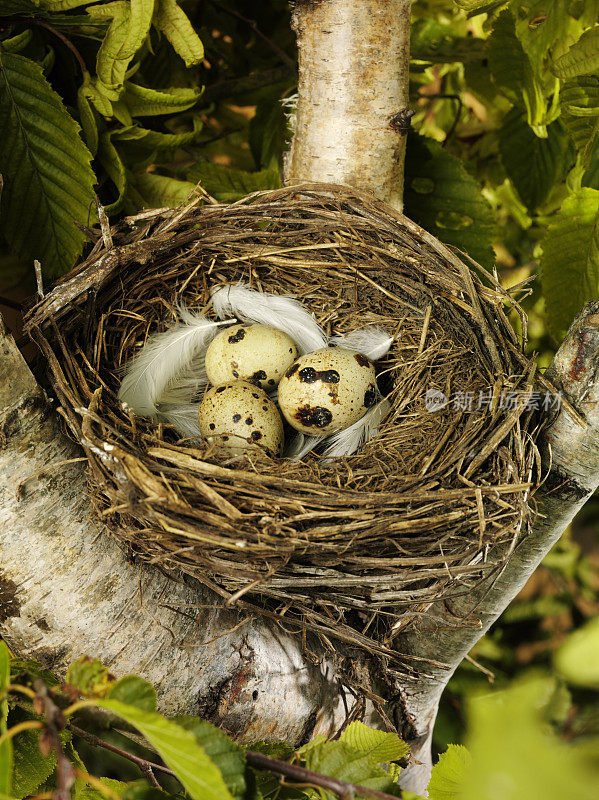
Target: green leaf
[
  {"x": 579, "y": 102},
  {"x": 63, "y": 5},
  {"x": 89, "y": 675},
  {"x": 228, "y": 185},
  {"x": 512, "y": 71},
  {"x": 577, "y": 660},
  {"x": 87, "y": 118},
  {"x": 447, "y": 777},
  {"x": 515, "y": 754},
  {"x": 442, "y": 196},
  {"x": 111, "y": 160},
  {"x": 178, "y": 749},
  {"x": 31, "y": 767},
  {"x": 226, "y": 755},
  {"x": 129, "y": 27},
  {"x": 134, "y": 691},
  {"x": 339, "y": 760},
  {"x": 545, "y": 29},
  {"x": 155, "y": 140},
  {"x": 582, "y": 58},
  {"x": 8, "y": 8},
  {"x": 92, "y": 90},
  {"x": 438, "y": 43},
  {"x": 17, "y": 43},
  {"x": 474, "y": 7},
  {"x": 381, "y": 746},
  {"x": 144, "y": 102},
  {"x": 172, "y": 21},
  {"x": 46, "y": 167},
  {"x": 150, "y": 190},
  {"x": 6, "y": 748},
  {"x": 534, "y": 165},
  {"x": 570, "y": 261}
]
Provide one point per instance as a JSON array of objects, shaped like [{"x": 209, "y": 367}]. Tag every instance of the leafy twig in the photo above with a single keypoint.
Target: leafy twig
[
  {"x": 49, "y": 739},
  {"x": 41, "y": 24},
  {"x": 345, "y": 791}
]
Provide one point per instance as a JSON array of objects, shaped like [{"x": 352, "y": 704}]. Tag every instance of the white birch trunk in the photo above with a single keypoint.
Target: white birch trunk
[{"x": 353, "y": 78}]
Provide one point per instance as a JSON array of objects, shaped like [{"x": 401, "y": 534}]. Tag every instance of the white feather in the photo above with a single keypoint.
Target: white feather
[
  {"x": 372, "y": 342},
  {"x": 184, "y": 418},
  {"x": 165, "y": 356},
  {"x": 300, "y": 445},
  {"x": 347, "y": 441},
  {"x": 284, "y": 313}
]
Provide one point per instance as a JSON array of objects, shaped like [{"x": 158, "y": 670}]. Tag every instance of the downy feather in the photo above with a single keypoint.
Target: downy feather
[
  {"x": 165, "y": 356},
  {"x": 372, "y": 342},
  {"x": 349, "y": 440},
  {"x": 184, "y": 418},
  {"x": 300, "y": 445},
  {"x": 284, "y": 313}
]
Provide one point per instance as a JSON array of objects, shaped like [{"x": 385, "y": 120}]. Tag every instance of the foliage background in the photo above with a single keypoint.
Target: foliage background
[{"x": 140, "y": 101}]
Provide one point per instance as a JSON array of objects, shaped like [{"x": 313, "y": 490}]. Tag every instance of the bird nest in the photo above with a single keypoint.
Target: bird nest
[{"x": 353, "y": 548}]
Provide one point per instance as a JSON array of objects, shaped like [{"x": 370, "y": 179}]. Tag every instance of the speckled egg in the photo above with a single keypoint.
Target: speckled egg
[
  {"x": 327, "y": 390},
  {"x": 241, "y": 416},
  {"x": 255, "y": 353}
]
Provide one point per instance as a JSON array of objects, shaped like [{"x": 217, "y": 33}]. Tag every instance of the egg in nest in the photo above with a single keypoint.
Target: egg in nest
[
  {"x": 259, "y": 354},
  {"x": 327, "y": 390},
  {"x": 241, "y": 416}
]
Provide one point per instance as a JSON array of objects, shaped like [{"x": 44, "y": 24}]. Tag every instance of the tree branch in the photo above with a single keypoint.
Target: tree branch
[{"x": 570, "y": 460}]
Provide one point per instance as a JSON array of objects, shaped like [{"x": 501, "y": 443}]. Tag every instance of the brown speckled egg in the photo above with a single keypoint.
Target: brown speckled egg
[
  {"x": 255, "y": 353},
  {"x": 241, "y": 416},
  {"x": 327, "y": 390}
]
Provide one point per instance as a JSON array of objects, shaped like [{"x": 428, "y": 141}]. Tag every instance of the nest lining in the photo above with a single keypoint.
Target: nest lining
[{"x": 352, "y": 549}]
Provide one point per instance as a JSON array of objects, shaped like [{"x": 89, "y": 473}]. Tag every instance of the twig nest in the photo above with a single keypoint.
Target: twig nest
[
  {"x": 240, "y": 416},
  {"x": 259, "y": 354},
  {"x": 351, "y": 548},
  {"x": 327, "y": 390}
]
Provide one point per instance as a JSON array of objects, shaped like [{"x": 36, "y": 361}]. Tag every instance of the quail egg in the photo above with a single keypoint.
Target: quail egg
[
  {"x": 255, "y": 353},
  {"x": 241, "y": 416},
  {"x": 327, "y": 390}
]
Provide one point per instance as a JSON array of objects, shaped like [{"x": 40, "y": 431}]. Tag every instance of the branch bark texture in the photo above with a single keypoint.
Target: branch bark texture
[{"x": 353, "y": 78}]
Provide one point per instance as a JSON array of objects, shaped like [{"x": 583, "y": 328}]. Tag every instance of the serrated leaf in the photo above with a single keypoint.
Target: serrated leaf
[
  {"x": 442, "y": 196},
  {"x": 533, "y": 165},
  {"x": 545, "y": 29},
  {"x": 84, "y": 791},
  {"x": 449, "y": 773},
  {"x": 479, "y": 6},
  {"x": 512, "y": 71},
  {"x": 178, "y": 749},
  {"x": 570, "y": 261},
  {"x": 128, "y": 29},
  {"x": 46, "y": 167},
  {"x": 227, "y": 185},
  {"x": 144, "y": 102},
  {"x": 582, "y": 58},
  {"x": 579, "y": 103},
  {"x": 379, "y": 745},
  {"x": 225, "y": 754},
  {"x": 172, "y": 21},
  {"x": 134, "y": 691},
  {"x": 31, "y": 768},
  {"x": 92, "y": 91},
  {"x": 89, "y": 675},
  {"x": 577, "y": 659},
  {"x": 150, "y": 190},
  {"x": 17, "y": 43},
  {"x": 6, "y": 748},
  {"x": 339, "y": 760}
]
